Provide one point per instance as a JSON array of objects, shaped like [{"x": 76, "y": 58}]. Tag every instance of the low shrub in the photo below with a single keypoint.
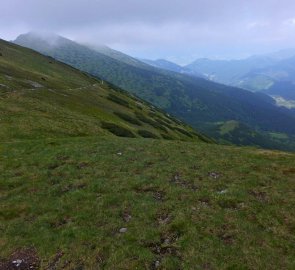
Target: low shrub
[
  {"x": 150, "y": 121},
  {"x": 184, "y": 132},
  {"x": 147, "y": 134},
  {"x": 117, "y": 130},
  {"x": 118, "y": 100},
  {"x": 167, "y": 137},
  {"x": 142, "y": 117},
  {"x": 204, "y": 138},
  {"x": 162, "y": 122},
  {"x": 128, "y": 118}
]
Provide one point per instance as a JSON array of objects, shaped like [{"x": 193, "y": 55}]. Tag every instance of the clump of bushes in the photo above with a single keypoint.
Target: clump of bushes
[
  {"x": 118, "y": 100},
  {"x": 163, "y": 122},
  {"x": 150, "y": 121},
  {"x": 158, "y": 126},
  {"x": 167, "y": 137},
  {"x": 183, "y": 132},
  {"x": 128, "y": 118},
  {"x": 142, "y": 117},
  {"x": 147, "y": 134},
  {"x": 117, "y": 130},
  {"x": 204, "y": 138},
  {"x": 168, "y": 120}
]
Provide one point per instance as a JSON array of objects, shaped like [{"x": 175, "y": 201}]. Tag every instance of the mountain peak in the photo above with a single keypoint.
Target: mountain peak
[{"x": 48, "y": 39}]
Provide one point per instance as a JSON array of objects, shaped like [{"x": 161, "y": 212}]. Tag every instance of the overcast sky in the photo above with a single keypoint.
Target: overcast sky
[{"x": 179, "y": 30}]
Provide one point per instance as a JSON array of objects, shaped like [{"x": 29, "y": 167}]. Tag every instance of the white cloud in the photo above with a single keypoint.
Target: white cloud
[
  {"x": 290, "y": 21},
  {"x": 159, "y": 27}
]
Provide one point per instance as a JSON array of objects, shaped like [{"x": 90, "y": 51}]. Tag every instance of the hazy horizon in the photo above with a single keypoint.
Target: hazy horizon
[{"x": 179, "y": 31}]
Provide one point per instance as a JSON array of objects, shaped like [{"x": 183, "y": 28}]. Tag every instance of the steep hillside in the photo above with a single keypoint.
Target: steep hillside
[
  {"x": 107, "y": 51},
  {"x": 194, "y": 100},
  {"x": 41, "y": 97}
]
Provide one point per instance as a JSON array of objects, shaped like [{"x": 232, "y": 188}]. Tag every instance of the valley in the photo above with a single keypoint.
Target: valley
[{"x": 196, "y": 101}]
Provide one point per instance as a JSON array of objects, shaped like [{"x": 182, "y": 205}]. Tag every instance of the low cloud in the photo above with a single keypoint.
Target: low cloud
[{"x": 168, "y": 28}]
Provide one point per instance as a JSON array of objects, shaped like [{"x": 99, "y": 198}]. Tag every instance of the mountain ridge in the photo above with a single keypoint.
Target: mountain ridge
[
  {"x": 43, "y": 97},
  {"x": 191, "y": 99}
]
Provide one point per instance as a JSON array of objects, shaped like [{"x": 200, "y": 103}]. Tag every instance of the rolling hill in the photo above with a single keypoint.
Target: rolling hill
[{"x": 195, "y": 101}]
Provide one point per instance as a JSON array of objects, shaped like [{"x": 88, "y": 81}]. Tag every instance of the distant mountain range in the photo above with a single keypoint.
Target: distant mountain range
[
  {"x": 167, "y": 65},
  {"x": 197, "y": 101},
  {"x": 272, "y": 74}
]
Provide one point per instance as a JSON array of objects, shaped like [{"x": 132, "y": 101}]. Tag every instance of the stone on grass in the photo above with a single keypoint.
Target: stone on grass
[{"x": 123, "y": 230}]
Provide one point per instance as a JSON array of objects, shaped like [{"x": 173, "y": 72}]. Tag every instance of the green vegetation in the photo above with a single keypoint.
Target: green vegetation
[
  {"x": 240, "y": 134},
  {"x": 118, "y": 100},
  {"x": 185, "y": 205},
  {"x": 68, "y": 102},
  {"x": 183, "y": 132},
  {"x": 128, "y": 118},
  {"x": 150, "y": 121},
  {"x": 117, "y": 130},
  {"x": 74, "y": 196},
  {"x": 147, "y": 134},
  {"x": 228, "y": 127},
  {"x": 194, "y": 100}
]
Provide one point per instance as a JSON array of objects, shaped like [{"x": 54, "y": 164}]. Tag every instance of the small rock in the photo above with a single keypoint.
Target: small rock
[
  {"x": 222, "y": 191},
  {"x": 157, "y": 264},
  {"x": 194, "y": 208},
  {"x": 127, "y": 217},
  {"x": 167, "y": 241},
  {"x": 123, "y": 230},
  {"x": 119, "y": 154},
  {"x": 18, "y": 261},
  {"x": 214, "y": 175}
]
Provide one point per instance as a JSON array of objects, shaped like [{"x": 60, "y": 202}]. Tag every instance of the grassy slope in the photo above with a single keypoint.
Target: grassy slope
[
  {"x": 229, "y": 208},
  {"x": 40, "y": 97},
  {"x": 186, "y": 205},
  {"x": 193, "y": 100}
]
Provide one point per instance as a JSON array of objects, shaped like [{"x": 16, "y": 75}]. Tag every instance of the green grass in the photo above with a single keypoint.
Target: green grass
[
  {"x": 68, "y": 102},
  {"x": 189, "y": 206},
  {"x": 229, "y": 126}
]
